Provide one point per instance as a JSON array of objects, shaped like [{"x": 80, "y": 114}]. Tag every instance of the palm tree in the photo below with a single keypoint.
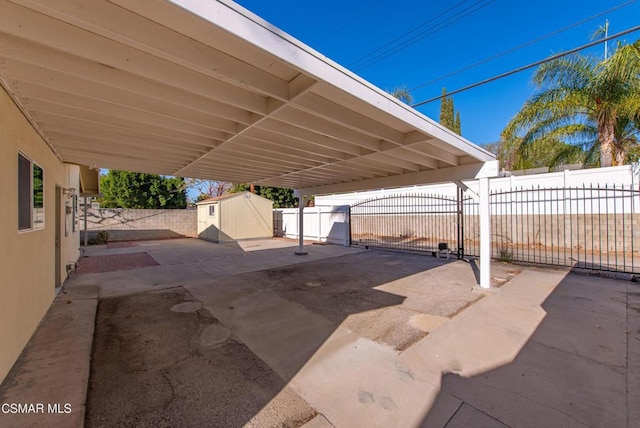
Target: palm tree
[
  {"x": 583, "y": 102},
  {"x": 402, "y": 93}
]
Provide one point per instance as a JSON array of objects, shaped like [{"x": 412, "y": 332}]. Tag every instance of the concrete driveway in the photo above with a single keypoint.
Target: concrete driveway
[{"x": 190, "y": 333}]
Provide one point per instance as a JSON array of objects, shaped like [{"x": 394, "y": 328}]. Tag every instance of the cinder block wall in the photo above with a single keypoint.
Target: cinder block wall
[{"x": 124, "y": 224}]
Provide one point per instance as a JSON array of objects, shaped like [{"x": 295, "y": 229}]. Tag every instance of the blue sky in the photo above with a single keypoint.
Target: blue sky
[{"x": 345, "y": 31}]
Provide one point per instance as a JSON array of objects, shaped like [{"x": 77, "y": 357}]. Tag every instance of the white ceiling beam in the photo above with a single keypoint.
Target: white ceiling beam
[
  {"x": 266, "y": 152},
  {"x": 247, "y": 26},
  {"x": 477, "y": 170},
  {"x": 103, "y": 93},
  {"x": 25, "y": 60},
  {"x": 284, "y": 142},
  {"x": 118, "y": 146},
  {"x": 248, "y": 164},
  {"x": 274, "y": 147},
  {"x": 82, "y": 128},
  {"x": 112, "y": 22},
  {"x": 316, "y": 105},
  {"x": 104, "y": 159},
  {"x": 36, "y": 92},
  {"x": 435, "y": 153},
  {"x": 416, "y": 158},
  {"x": 299, "y": 87},
  {"x": 291, "y": 131},
  {"x": 339, "y": 169},
  {"x": 402, "y": 163},
  {"x": 32, "y": 26},
  {"x": 324, "y": 127},
  {"x": 60, "y": 115},
  {"x": 372, "y": 164},
  {"x": 255, "y": 157},
  {"x": 115, "y": 116}
]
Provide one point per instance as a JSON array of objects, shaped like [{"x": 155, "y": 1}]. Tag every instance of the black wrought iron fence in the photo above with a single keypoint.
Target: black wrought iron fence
[
  {"x": 414, "y": 222},
  {"x": 593, "y": 227}
]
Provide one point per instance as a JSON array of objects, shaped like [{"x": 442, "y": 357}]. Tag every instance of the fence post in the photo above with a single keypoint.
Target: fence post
[{"x": 485, "y": 233}]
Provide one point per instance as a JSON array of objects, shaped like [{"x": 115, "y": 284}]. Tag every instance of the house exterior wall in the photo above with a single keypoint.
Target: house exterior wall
[
  {"x": 246, "y": 216},
  {"x": 27, "y": 258}
]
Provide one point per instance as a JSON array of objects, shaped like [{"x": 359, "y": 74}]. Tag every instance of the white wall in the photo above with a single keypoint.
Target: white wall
[
  {"x": 626, "y": 175},
  {"x": 322, "y": 224}
]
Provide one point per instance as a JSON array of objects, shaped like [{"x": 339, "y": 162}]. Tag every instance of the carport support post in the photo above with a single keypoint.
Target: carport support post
[
  {"x": 86, "y": 238},
  {"x": 485, "y": 232},
  {"x": 301, "y": 202}
]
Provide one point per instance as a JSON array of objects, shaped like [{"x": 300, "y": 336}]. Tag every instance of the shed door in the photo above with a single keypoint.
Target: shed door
[{"x": 208, "y": 221}]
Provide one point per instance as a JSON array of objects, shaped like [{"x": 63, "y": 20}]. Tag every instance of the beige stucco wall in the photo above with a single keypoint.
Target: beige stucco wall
[
  {"x": 27, "y": 271},
  {"x": 246, "y": 216}
]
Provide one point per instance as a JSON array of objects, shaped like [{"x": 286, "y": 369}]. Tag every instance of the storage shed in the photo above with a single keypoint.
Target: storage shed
[{"x": 234, "y": 217}]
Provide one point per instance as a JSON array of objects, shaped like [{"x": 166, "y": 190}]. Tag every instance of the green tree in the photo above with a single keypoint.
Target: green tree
[
  {"x": 124, "y": 189},
  {"x": 402, "y": 93},
  {"x": 449, "y": 117},
  {"x": 591, "y": 105},
  {"x": 282, "y": 198}
]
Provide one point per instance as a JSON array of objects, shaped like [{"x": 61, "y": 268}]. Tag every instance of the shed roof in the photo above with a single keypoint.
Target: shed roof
[
  {"x": 207, "y": 89},
  {"x": 229, "y": 196}
]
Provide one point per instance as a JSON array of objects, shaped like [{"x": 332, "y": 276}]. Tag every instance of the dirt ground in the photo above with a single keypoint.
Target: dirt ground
[{"x": 157, "y": 367}]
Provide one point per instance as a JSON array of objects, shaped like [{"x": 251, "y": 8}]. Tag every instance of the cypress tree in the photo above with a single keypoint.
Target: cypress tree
[{"x": 448, "y": 116}]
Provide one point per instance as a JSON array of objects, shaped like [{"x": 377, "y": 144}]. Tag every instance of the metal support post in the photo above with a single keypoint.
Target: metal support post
[{"x": 485, "y": 233}]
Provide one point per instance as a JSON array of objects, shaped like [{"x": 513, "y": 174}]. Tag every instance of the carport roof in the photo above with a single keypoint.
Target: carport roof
[{"x": 207, "y": 89}]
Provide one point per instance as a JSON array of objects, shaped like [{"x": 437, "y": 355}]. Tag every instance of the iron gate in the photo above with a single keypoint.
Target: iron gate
[
  {"x": 595, "y": 228},
  {"x": 414, "y": 222}
]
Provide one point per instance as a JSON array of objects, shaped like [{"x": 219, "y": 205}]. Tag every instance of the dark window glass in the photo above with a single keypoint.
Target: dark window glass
[{"x": 24, "y": 193}]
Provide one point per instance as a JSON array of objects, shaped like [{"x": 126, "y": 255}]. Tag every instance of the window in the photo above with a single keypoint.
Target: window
[
  {"x": 212, "y": 210},
  {"x": 30, "y": 194}
]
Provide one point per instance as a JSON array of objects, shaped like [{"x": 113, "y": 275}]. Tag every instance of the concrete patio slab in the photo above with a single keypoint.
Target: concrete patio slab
[
  {"x": 160, "y": 372},
  {"x": 53, "y": 369},
  {"x": 351, "y": 338},
  {"x": 633, "y": 355}
]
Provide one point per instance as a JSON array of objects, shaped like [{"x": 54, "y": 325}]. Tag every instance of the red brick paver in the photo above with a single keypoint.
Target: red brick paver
[{"x": 114, "y": 262}]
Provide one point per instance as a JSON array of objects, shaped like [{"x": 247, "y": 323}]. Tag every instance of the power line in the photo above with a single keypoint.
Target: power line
[
  {"x": 508, "y": 51},
  {"x": 400, "y": 37},
  {"x": 352, "y": 20},
  {"x": 426, "y": 33},
  {"x": 528, "y": 66}
]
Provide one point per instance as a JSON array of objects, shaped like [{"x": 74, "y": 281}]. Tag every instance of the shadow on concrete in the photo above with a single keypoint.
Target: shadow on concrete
[
  {"x": 154, "y": 365},
  {"x": 132, "y": 235},
  {"x": 578, "y": 368}
]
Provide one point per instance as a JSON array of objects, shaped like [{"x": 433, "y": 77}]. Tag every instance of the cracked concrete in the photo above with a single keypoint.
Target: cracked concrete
[{"x": 342, "y": 338}]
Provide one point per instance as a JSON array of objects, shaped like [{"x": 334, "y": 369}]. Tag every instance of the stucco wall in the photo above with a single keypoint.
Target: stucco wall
[{"x": 27, "y": 271}]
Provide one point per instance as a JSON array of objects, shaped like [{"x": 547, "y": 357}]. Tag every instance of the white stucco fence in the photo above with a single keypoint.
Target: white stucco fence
[
  {"x": 324, "y": 224},
  {"x": 618, "y": 176}
]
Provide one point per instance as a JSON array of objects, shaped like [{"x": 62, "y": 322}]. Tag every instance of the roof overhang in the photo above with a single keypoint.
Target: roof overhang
[{"x": 206, "y": 89}]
